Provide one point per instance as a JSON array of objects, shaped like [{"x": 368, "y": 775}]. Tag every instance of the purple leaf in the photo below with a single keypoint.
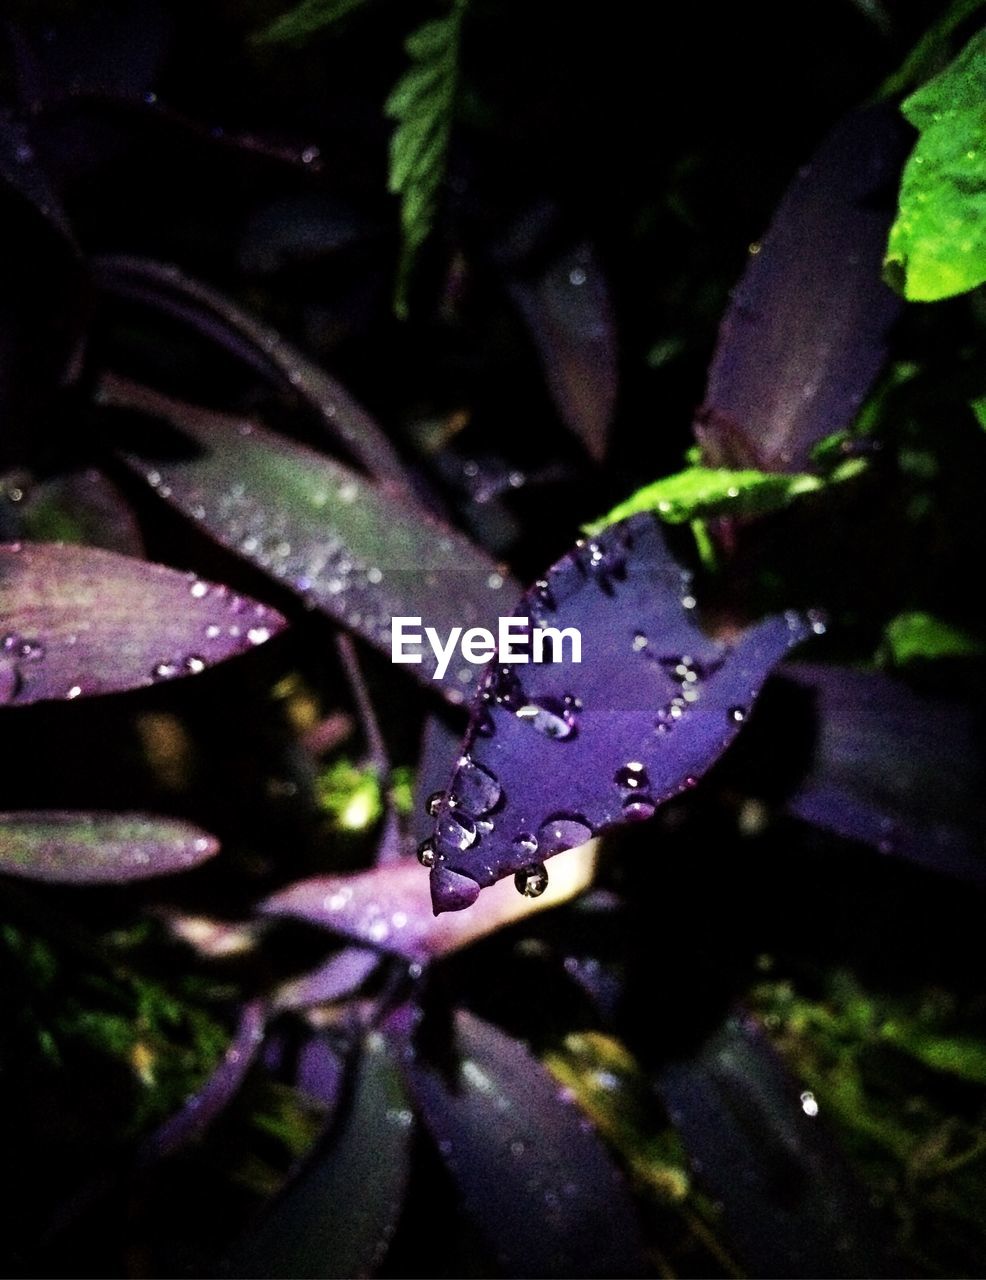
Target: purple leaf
[
  {"x": 338, "y": 1215},
  {"x": 389, "y": 907},
  {"x": 207, "y": 1103},
  {"x": 263, "y": 348},
  {"x": 79, "y": 620},
  {"x": 356, "y": 551},
  {"x": 806, "y": 332},
  {"x": 562, "y": 751},
  {"x": 756, "y": 1141},
  {"x": 336, "y": 977},
  {"x": 894, "y": 769},
  {"x": 320, "y": 1071},
  {"x": 568, "y": 312},
  {"x": 532, "y": 1173},
  {"x": 98, "y": 848}
]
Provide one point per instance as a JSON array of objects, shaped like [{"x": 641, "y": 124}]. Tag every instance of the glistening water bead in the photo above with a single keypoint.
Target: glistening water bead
[
  {"x": 532, "y": 881},
  {"x": 632, "y": 777},
  {"x": 426, "y": 853}
]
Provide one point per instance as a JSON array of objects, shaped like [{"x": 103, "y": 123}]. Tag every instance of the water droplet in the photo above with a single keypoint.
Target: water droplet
[
  {"x": 258, "y": 635},
  {"x": 737, "y": 714},
  {"x": 639, "y": 642},
  {"x": 526, "y": 844},
  {"x": 199, "y": 589},
  {"x": 193, "y": 664},
  {"x": 164, "y": 671},
  {"x": 632, "y": 777},
  {"x": 669, "y": 716},
  {"x": 30, "y": 650},
  {"x": 454, "y": 832},
  {"x": 474, "y": 788},
  {"x": 543, "y": 595},
  {"x": 451, "y": 890},
  {"x": 532, "y": 881},
  {"x": 688, "y": 602},
  {"x": 809, "y": 1105},
  {"x": 434, "y": 803},
  {"x": 562, "y": 833},
  {"x": 638, "y": 809},
  {"x": 426, "y": 853},
  {"x": 551, "y": 717}
]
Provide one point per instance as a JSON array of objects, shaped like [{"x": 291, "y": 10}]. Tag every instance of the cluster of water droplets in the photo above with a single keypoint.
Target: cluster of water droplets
[{"x": 556, "y": 718}]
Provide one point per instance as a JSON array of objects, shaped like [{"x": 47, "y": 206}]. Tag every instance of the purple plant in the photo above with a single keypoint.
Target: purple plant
[{"x": 339, "y": 525}]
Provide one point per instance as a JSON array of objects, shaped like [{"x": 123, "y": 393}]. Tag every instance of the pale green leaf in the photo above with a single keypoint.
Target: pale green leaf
[
  {"x": 701, "y": 492},
  {"x": 422, "y": 103},
  {"x": 305, "y": 20},
  {"x": 937, "y": 245}
]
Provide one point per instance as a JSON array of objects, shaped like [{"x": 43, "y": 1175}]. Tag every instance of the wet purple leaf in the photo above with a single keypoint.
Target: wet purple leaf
[
  {"x": 533, "y": 1175},
  {"x": 389, "y": 907},
  {"x": 356, "y": 551},
  {"x": 568, "y": 312},
  {"x": 98, "y": 848},
  {"x": 894, "y": 768},
  {"x": 806, "y": 332},
  {"x": 77, "y": 620},
  {"x": 263, "y": 348},
  {"x": 205, "y": 1105},
  {"x": 758, "y": 1144},
  {"x": 557, "y": 752},
  {"x": 337, "y": 1216}
]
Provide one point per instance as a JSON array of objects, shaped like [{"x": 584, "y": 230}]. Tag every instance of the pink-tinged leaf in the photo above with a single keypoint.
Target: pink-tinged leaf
[
  {"x": 207, "y": 1103},
  {"x": 337, "y": 1216},
  {"x": 533, "y": 1176},
  {"x": 77, "y": 621},
  {"x": 759, "y": 1145},
  {"x": 558, "y": 751},
  {"x": 893, "y": 768},
  {"x": 353, "y": 549},
  {"x": 340, "y": 975},
  {"x": 263, "y": 348},
  {"x": 98, "y": 848},
  {"x": 568, "y": 312},
  {"x": 389, "y": 907},
  {"x": 806, "y": 332}
]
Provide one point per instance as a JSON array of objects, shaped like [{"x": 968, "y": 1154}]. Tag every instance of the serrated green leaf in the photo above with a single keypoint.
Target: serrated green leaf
[
  {"x": 304, "y": 20},
  {"x": 937, "y": 245},
  {"x": 422, "y": 103},
  {"x": 700, "y": 492},
  {"x": 912, "y": 636}
]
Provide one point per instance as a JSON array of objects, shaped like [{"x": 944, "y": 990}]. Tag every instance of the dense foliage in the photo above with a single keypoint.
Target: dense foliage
[{"x": 668, "y": 963}]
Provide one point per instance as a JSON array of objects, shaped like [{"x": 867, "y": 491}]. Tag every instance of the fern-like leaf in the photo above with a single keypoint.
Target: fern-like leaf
[
  {"x": 304, "y": 20},
  {"x": 422, "y": 103}
]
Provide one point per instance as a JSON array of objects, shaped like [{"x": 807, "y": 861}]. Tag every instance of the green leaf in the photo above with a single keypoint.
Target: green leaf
[
  {"x": 351, "y": 796},
  {"x": 922, "y": 59},
  {"x": 701, "y": 492},
  {"x": 937, "y": 246},
  {"x": 920, "y": 636},
  {"x": 422, "y": 103},
  {"x": 304, "y": 20},
  {"x": 979, "y": 409}
]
